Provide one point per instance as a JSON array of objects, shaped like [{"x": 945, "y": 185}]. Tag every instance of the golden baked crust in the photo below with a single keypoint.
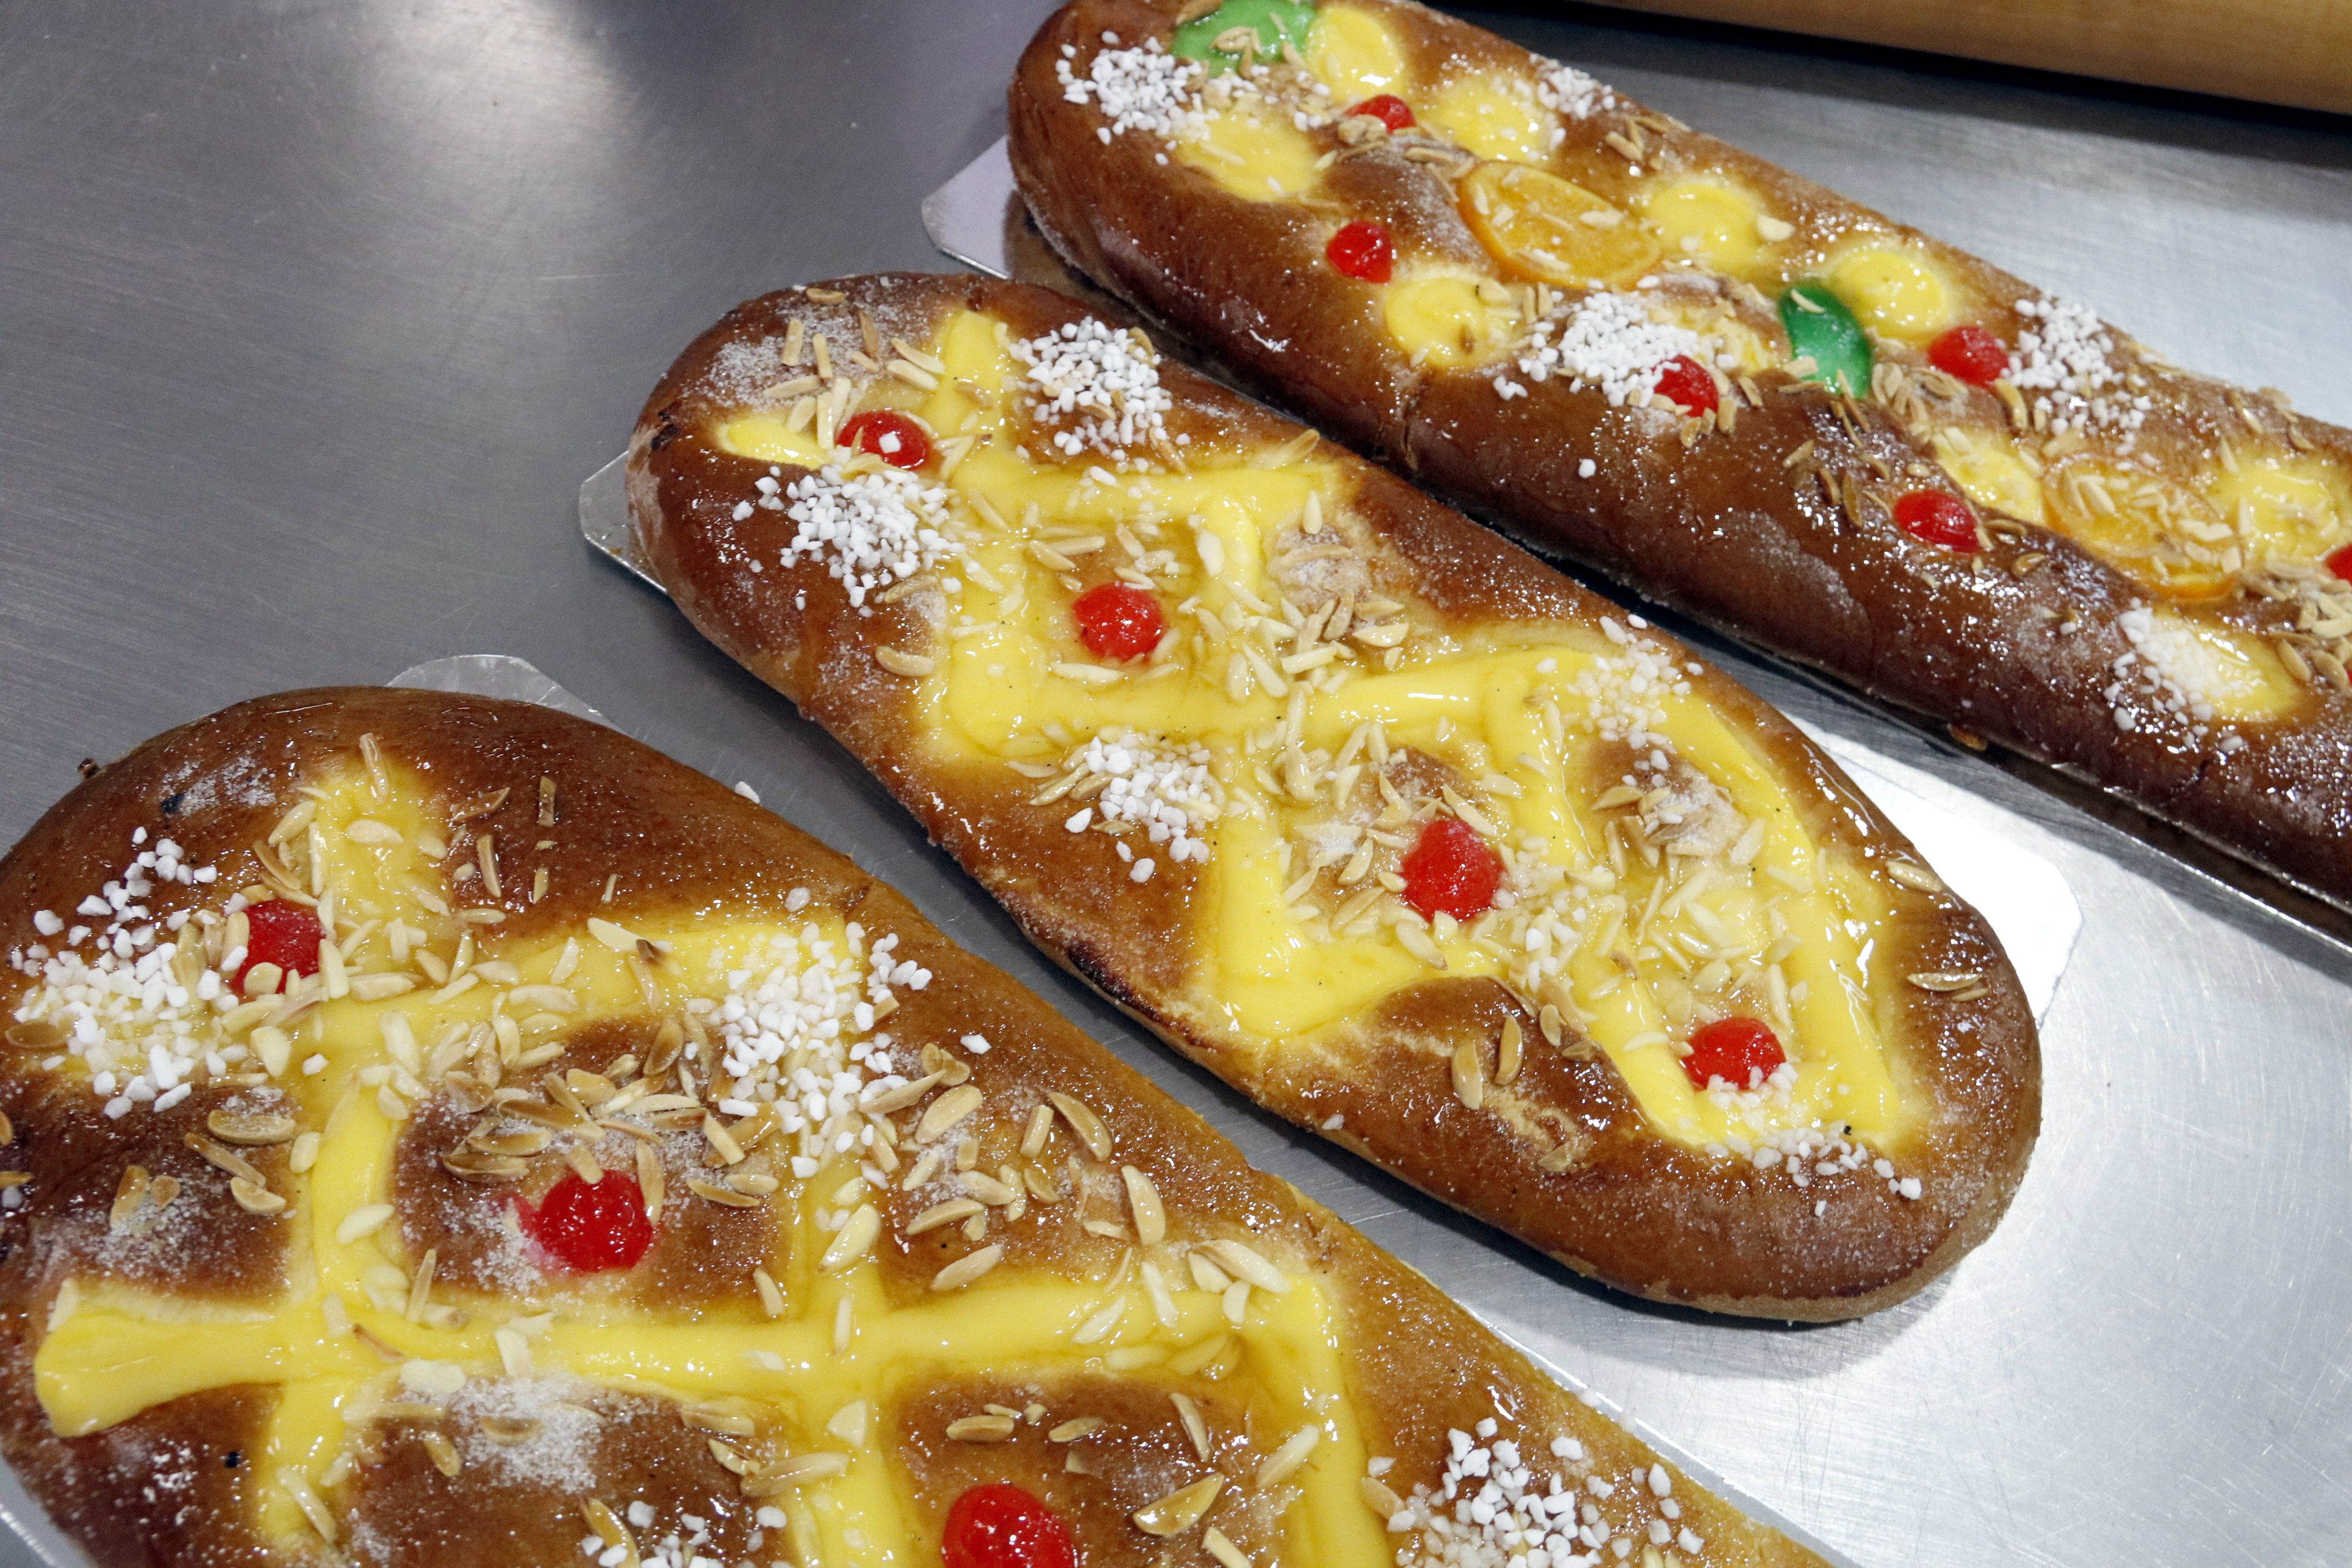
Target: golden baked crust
[
  {"x": 495, "y": 1409},
  {"x": 1478, "y": 1084},
  {"x": 2146, "y": 603}
]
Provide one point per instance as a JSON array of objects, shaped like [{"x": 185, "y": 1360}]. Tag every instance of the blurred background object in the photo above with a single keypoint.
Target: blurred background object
[{"x": 2294, "y": 52}]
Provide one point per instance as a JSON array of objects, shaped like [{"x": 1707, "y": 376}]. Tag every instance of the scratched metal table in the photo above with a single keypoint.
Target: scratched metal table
[{"x": 312, "y": 319}]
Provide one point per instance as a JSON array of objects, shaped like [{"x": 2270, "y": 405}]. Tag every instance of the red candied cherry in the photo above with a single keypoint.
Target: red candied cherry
[
  {"x": 1971, "y": 353},
  {"x": 590, "y": 1226},
  {"x": 2341, "y": 563},
  {"x": 1451, "y": 871},
  {"x": 1686, "y": 381},
  {"x": 283, "y": 934},
  {"x": 891, "y": 436},
  {"x": 1118, "y": 621},
  {"x": 1742, "y": 1052},
  {"x": 1387, "y": 109},
  {"x": 998, "y": 1525},
  {"x": 1363, "y": 249},
  {"x": 1940, "y": 519}
]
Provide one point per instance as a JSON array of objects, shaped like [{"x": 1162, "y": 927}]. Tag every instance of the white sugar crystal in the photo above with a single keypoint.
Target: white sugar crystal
[
  {"x": 1569, "y": 91},
  {"x": 1144, "y": 88},
  {"x": 1610, "y": 341},
  {"x": 1108, "y": 379},
  {"x": 870, "y": 529},
  {"x": 1170, "y": 795}
]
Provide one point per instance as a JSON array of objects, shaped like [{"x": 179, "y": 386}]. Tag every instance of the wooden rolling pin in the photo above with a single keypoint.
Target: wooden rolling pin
[{"x": 2296, "y": 52}]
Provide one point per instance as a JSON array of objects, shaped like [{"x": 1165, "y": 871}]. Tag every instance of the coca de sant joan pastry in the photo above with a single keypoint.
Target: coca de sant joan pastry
[
  {"x": 444, "y": 1132},
  {"x": 1382, "y": 820}
]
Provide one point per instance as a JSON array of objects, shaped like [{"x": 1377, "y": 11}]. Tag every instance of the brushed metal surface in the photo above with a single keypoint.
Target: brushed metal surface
[{"x": 312, "y": 317}]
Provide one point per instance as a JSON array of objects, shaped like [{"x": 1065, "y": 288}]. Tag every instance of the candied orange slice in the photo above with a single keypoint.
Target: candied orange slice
[{"x": 1544, "y": 229}]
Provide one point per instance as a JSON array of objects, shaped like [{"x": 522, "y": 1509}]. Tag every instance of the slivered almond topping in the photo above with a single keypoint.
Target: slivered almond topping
[
  {"x": 1143, "y": 1201},
  {"x": 651, "y": 1180},
  {"x": 946, "y": 1112},
  {"x": 790, "y": 1474},
  {"x": 713, "y": 1192},
  {"x": 363, "y": 1222},
  {"x": 991, "y": 1190},
  {"x": 905, "y": 1095},
  {"x": 1508, "y": 1055},
  {"x": 1469, "y": 1075},
  {"x": 1947, "y": 981},
  {"x": 584, "y": 1161},
  {"x": 250, "y": 1130},
  {"x": 471, "y": 1167},
  {"x": 1549, "y": 1022},
  {"x": 253, "y": 1198},
  {"x": 128, "y": 1194},
  {"x": 937, "y": 1215},
  {"x": 1083, "y": 1122},
  {"x": 729, "y": 1458},
  {"x": 442, "y": 1452},
  {"x": 606, "y": 1524},
  {"x": 854, "y": 1240},
  {"x": 981, "y": 1428},
  {"x": 619, "y": 938},
  {"x": 1281, "y": 1464},
  {"x": 1033, "y": 1136},
  {"x": 313, "y": 1506},
  {"x": 1195, "y": 1426},
  {"x": 1071, "y": 1431},
  {"x": 1226, "y": 1554},
  {"x": 226, "y": 1158},
  {"x": 1911, "y": 874},
  {"x": 1179, "y": 1511},
  {"x": 899, "y": 661},
  {"x": 772, "y": 1300},
  {"x": 1245, "y": 1263},
  {"x": 967, "y": 1269},
  {"x": 1380, "y": 1497}
]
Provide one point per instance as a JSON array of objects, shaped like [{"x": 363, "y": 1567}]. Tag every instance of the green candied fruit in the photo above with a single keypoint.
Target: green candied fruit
[
  {"x": 1819, "y": 326},
  {"x": 1274, "y": 22}
]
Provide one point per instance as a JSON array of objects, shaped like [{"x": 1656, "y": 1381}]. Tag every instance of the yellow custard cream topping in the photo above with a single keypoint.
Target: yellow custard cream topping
[
  {"x": 823, "y": 1364},
  {"x": 1659, "y": 870}
]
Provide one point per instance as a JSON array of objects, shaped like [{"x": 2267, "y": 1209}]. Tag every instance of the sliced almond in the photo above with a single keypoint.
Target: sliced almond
[
  {"x": 791, "y": 1474},
  {"x": 854, "y": 1240},
  {"x": 1179, "y": 1511},
  {"x": 253, "y": 1198},
  {"x": 1083, "y": 1122},
  {"x": 946, "y": 1112},
  {"x": 1143, "y": 1201},
  {"x": 981, "y": 1428},
  {"x": 969, "y": 1267},
  {"x": 937, "y": 1215},
  {"x": 251, "y": 1130}
]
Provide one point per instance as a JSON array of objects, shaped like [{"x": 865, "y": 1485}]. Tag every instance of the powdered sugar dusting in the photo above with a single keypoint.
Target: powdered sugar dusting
[{"x": 556, "y": 1415}]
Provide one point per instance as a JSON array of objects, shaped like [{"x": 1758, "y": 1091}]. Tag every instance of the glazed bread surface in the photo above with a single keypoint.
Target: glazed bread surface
[
  {"x": 1229, "y": 825},
  {"x": 1742, "y": 394},
  {"x": 639, "y": 1182}
]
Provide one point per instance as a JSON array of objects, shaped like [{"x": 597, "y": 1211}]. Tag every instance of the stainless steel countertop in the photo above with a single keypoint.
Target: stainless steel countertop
[{"x": 314, "y": 318}]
